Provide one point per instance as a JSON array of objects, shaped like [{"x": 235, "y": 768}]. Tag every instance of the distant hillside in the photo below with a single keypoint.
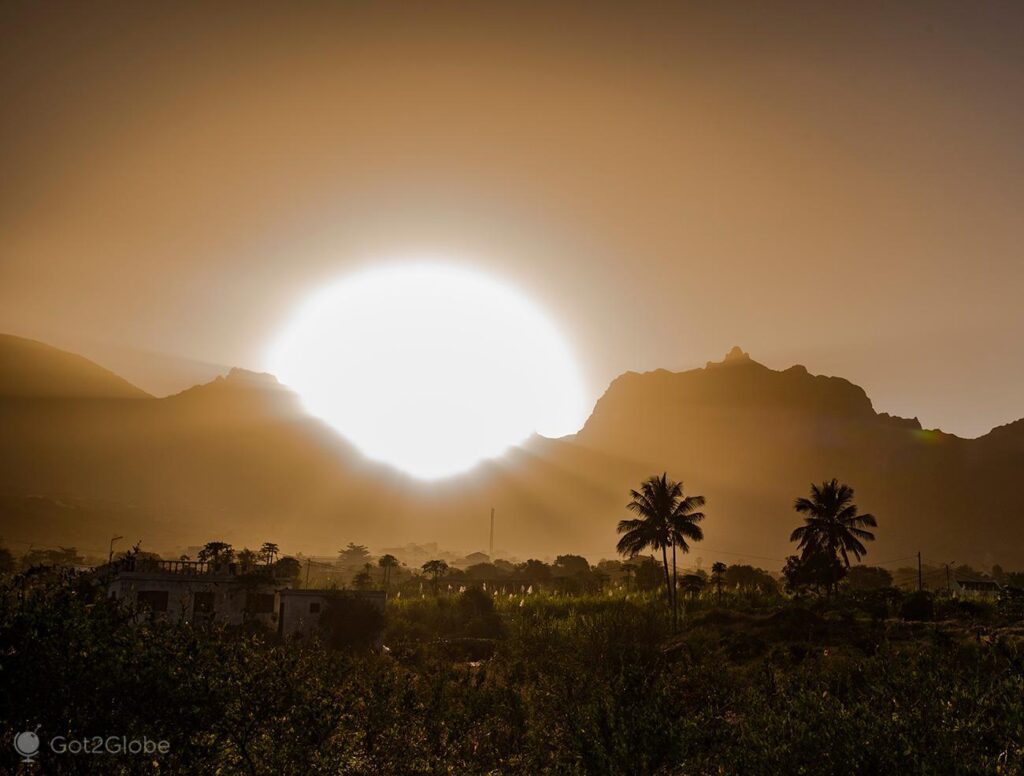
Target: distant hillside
[
  {"x": 30, "y": 369},
  {"x": 753, "y": 438},
  {"x": 238, "y": 459}
]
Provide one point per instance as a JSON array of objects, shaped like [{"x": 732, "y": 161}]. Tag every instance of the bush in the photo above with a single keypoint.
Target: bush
[
  {"x": 351, "y": 623},
  {"x": 966, "y": 609},
  {"x": 477, "y": 618},
  {"x": 596, "y": 684},
  {"x": 919, "y": 605}
]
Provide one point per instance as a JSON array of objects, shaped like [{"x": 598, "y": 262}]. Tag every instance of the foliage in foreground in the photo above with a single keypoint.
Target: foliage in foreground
[{"x": 575, "y": 685}]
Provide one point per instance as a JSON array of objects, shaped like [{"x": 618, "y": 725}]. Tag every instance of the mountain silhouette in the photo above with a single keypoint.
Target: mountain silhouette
[
  {"x": 30, "y": 369},
  {"x": 237, "y": 458}
]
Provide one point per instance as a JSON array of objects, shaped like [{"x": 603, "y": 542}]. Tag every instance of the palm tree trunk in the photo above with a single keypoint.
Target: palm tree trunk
[
  {"x": 675, "y": 591},
  {"x": 668, "y": 582}
]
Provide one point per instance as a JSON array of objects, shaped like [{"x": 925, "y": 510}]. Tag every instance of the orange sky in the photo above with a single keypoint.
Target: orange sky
[{"x": 836, "y": 188}]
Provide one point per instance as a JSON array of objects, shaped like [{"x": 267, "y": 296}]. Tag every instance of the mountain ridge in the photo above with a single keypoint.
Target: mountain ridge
[
  {"x": 238, "y": 457},
  {"x": 33, "y": 369}
]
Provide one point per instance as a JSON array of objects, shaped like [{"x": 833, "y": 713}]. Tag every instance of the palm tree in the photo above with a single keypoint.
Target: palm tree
[
  {"x": 683, "y": 523},
  {"x": 246, "y": 559},
  {"x": 832, "y": 525},
  {"x": 693, "y": 584},
  {"x": 718, "y": 575},
  {"x": 437, "y": 569},
  {"x": 387, "y": 562},
  {"x": 216, "y": 553},
  {"x": 666, "y": 518}
]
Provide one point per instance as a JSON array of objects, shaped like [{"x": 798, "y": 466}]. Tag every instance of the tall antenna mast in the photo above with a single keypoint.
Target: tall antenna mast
[{"x": 490, "y": 550}]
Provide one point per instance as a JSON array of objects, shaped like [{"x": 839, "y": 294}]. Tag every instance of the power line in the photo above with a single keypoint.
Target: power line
[
  {"x": 891, "y": 560},
  {"x": 740, "y": 554}
]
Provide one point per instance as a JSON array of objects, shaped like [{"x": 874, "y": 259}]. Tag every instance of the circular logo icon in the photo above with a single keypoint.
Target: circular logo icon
[{"x": 27, "y": 745}]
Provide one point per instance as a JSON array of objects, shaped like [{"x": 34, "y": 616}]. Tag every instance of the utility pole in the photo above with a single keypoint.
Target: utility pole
[
  {"x": 307, "y": 572},
  {"x": 490, "y": 548},
  {"x": 919, "y": 583}
]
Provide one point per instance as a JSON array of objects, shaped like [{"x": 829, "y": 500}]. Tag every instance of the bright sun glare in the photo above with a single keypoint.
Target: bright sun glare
[{"x": 430, "y": 367}]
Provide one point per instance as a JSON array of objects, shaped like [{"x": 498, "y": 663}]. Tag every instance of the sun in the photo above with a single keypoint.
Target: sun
[{"x": 430, "y": 367}]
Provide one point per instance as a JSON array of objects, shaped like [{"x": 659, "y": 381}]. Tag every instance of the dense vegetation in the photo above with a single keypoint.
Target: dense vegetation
[
  {"x": 478, "y": 683},
  {"x": 539, "y": 668}
]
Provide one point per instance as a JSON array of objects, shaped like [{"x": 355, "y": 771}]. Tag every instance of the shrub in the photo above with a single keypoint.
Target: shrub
[
  {"x": 595, "y": 684},
  {"x": 919, "y": 605},
  {"x": 477, "y": 617},
  {"x": 349, "y": 622},
  {"x": 966, "y": 609}
]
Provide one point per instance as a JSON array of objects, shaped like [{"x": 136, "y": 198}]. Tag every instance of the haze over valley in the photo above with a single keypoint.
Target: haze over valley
[{"x": 85, "y": 455}]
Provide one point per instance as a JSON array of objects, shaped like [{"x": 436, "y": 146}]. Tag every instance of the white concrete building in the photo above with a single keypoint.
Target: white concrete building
[
  {"x": 192, "y": 591},
  {"x": 198, "y": 592}
]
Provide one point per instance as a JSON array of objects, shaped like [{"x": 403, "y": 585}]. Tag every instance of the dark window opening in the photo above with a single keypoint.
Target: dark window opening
[
  {"x": 314, "y": 608},
  {"x": 202, "y": 603},
  {"x": 261, "y": 603},
  {"x": 156, "y": 600}
]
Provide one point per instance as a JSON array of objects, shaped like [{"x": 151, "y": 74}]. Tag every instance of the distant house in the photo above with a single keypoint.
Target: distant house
[
  {"x": 299, "y": 611},
  {"x": 194, "y": 591},
  {"x": 198, "y": 592},
  {"x": 976, "y": 588}
]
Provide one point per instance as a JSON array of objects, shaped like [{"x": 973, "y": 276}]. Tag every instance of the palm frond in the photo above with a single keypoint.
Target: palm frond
[{"x": 805, "y": 505}]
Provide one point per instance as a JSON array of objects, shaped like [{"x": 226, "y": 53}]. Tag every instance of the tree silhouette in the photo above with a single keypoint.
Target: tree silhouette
[
  {"x": 692, "y": 584},
  {"x": 832, "y": 527},
  {"x": 363, "y": 580},
  {"x": 216, "y": 552},
  {"x": 269, "y": 552},
  {"x": 628, "y": 572},
  {"x": 287, "y": 568},
  {"x": 7, "y": 564},
  {"x": 534, "y": 571},
  {"x": 387, "y": 562},
  {"x": 717, "y": 576},
  {"x": 353, "y": 554},
  {"x": 437, "y": 569},
  {"x": 666, "y": 519},
  {"x": 683, "y": 523},
  {"x": 246, "y": 559}
]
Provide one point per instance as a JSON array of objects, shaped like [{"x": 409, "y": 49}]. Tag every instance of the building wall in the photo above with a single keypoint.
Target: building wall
[
  {"x": 229, "y": 597},
  {"x": 299, "y": 611},
  {"x": 289, "y": 612}
]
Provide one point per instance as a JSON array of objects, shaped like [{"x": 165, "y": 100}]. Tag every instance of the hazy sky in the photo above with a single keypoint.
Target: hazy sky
[{"x": 838, "y": 188}]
